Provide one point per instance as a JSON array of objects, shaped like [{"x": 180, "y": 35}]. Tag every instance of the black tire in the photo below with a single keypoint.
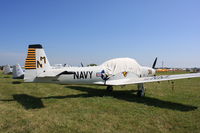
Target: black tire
[
  {"x": 140, "y": 93},
  {"x": 109, "y": 88}
]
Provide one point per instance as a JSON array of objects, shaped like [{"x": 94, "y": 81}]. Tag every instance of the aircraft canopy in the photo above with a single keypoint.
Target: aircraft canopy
[{"x": 118, "y": 65}]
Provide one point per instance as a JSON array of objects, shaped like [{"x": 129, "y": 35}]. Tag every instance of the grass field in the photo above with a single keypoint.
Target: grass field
[{"x": 42, "y": 108}]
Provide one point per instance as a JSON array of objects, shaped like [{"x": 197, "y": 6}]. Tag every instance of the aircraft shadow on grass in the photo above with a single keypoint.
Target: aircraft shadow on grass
[
  {"x": 32, "y": 102},
  {"x": 27, "y": 101}
]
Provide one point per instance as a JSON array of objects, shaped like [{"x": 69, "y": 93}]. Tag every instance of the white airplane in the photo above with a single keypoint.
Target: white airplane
[
  {"x": 18, "y": 72},
  {"x": 115, "y": 72},
  {"x": 7, "y": 70}
]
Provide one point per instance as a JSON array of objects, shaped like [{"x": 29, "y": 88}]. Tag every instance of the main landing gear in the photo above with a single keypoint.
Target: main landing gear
[
  {"x": 141, "y": 90},
  {"x": 109, "y": 88}
]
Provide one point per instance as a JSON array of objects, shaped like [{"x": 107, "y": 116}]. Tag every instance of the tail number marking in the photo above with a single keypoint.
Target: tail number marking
[{"x": 41, "y": 62}]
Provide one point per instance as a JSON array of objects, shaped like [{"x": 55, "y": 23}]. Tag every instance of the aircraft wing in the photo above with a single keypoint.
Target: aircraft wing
[{"x": 134, "y": 80}]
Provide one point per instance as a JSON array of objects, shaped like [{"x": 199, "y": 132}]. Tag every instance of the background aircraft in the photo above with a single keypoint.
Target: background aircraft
[
  {"x": 18, "y": 72},
  {"x": 7, "y": 69},
  {"x": 120, "y": 71}
]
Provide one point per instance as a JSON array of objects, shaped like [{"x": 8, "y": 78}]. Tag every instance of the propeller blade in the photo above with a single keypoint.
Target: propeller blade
[
  {"x": 82, "y": 64},
  {"x": 154, "y": 64}
]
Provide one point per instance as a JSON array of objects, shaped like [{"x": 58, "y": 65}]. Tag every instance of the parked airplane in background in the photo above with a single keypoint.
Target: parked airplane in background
[
  {"x": 7, "y": 69},
  {"x": 120, "y": 71},
  {"x": 18, "y": 72}
]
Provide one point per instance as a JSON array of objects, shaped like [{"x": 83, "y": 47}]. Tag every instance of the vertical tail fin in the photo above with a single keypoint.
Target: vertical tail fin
[
  {"x": 36, "y": 62},
  {"x": 18, "y": 73}
]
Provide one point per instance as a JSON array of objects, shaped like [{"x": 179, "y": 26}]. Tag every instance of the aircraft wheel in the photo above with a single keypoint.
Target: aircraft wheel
[
  {"x": 141, "y": 93},
  {"x": 109, "y": 88}
]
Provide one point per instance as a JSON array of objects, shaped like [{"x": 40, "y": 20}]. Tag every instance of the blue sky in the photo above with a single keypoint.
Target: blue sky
[{"x": 93, "y": 31}]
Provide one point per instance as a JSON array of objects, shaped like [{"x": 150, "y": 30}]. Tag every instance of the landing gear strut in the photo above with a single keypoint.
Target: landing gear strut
[
  {"x": 141, "y": 90},
  {"x": 109, "y": 88}
]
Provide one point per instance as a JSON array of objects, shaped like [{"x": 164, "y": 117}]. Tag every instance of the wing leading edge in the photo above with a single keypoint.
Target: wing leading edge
[{"x": 134, "y": 80}]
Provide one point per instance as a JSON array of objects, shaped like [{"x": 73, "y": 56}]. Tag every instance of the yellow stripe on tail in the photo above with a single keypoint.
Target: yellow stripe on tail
[{"x": 31, "y": 59}]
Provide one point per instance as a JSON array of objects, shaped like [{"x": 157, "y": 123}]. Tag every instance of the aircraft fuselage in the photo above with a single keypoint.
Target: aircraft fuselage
[{"x": 86, "y": 75}]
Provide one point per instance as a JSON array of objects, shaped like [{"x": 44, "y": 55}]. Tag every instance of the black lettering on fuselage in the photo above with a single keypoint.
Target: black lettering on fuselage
[
  {"x": 76, "y": 75},
  {"x": 90, "y": 74},
  {"x": 83, "y": 75}
]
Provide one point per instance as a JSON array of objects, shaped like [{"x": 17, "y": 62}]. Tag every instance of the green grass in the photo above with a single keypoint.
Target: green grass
[{"x": 42, "y": 108}]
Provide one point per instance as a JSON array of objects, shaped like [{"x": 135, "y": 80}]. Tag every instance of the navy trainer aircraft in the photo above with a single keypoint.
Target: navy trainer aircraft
[{"x": 115, "y": 72}]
